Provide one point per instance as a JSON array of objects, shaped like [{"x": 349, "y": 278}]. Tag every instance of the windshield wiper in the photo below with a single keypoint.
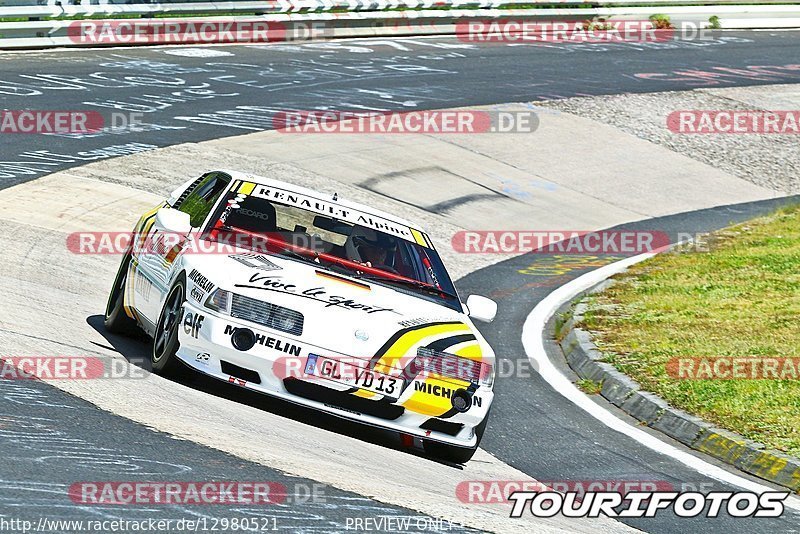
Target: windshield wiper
[
  {"x": 286, "y": 251},
  {"x": 343, "y": 269}
]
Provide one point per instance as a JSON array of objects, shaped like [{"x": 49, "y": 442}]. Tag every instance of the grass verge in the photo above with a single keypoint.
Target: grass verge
[{"x": 738, "y": 299}]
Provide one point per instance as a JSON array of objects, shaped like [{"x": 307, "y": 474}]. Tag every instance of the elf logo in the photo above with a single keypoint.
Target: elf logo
[{"x": 192, "y": 322}]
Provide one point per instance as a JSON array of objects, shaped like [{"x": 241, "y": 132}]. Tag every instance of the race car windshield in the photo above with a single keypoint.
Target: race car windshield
[{"x": 337, "y": 245}]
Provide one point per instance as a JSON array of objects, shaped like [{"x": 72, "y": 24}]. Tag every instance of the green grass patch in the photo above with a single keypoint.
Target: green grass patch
[
  {"x": 590, "y": 387},
  {"x": 561, "y": 320},
  {"x": 741, "y": 298}
]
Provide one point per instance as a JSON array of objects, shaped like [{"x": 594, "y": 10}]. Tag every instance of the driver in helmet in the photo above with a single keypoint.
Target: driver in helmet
[{"x": 374, "y": 249}]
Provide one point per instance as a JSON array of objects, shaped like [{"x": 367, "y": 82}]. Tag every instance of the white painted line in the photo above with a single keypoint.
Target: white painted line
[{"x": 532, "y": 340}]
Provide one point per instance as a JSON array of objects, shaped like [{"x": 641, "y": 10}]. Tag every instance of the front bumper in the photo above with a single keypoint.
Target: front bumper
[{"x": 275, "y": 365}]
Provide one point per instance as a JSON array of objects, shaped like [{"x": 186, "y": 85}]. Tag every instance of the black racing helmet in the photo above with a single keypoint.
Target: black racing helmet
[{"x": 374, "y": 239}]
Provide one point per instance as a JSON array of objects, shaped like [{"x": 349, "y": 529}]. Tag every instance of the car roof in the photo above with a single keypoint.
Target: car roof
[{"x": 238, "y": 175}]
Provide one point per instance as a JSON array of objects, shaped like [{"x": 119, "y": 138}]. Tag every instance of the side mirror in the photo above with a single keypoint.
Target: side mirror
[
  {"x": 172, "y": 220},
  {"x": 481, "y": 308}
]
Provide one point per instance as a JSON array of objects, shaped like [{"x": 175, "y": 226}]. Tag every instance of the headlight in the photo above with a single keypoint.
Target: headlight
[
  {"x": 285, "y": 320},
  {"x": 256, "y": 311},
  {"x": 453, "y": 366},
  {"x": 219, "y": 301}
]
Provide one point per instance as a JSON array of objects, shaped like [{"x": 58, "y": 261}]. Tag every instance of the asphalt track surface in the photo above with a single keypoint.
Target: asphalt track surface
[
  {"x": 237, "y": 89},
  {"x": 51, "y": 441},
  {"x": 532, "y": 427}
]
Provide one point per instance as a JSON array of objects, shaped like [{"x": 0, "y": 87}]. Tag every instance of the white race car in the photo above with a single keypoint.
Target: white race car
[{"x": 306, "y": 297}]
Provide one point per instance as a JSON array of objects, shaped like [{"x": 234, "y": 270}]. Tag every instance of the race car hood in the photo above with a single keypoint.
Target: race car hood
[{"x": 352, "y": 317}]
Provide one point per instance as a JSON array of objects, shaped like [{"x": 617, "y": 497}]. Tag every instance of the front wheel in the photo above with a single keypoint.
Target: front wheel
[
  {"x": 165, "y": 340},
  {"x": 116, "y": 320},
  {"x": 453, "y": 453}
]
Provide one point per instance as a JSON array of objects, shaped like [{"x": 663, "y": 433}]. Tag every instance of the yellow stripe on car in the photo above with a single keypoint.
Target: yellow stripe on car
[
  {"x": 127, "y": 292},
  {"x": 418, "y": 237},
  {"x": 432, "y": 396},
  {"x": 246, "y": 188},
  {"x": 471, "y": 351},
  {"x": 400, "y": 347}
]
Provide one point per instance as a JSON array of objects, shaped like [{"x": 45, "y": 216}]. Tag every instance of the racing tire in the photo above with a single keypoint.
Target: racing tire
[
  {"x": 453, "y": 453},
  {"x": 116, "y": 320},
  {"x": 165, "y": 339}
]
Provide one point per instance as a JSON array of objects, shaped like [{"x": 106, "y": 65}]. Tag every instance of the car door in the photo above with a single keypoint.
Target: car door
[{"x": 158, "y": 249}]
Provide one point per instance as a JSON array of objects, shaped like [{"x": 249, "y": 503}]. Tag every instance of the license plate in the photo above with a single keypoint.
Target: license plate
[{"x": 354, "y": 376}]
